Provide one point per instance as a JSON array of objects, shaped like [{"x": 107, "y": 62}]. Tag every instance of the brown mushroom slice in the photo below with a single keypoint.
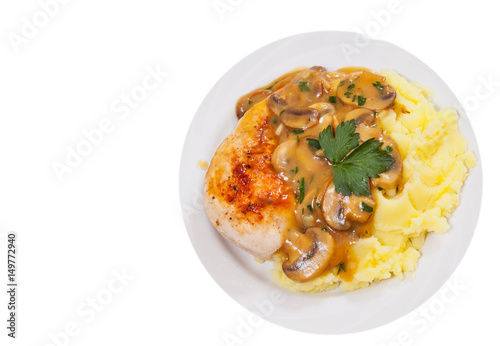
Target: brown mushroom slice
[
  {"x": 308, "y": 253},
  {"x": 300, "y": 118},
  {"x": 277, "y": 104},
  {"x": 334, "y": 210},
  {"x": 310, "y": 163},
  {"x": 366, "y": 89},
  {"x": 247, "y": 101},
  {"x": 323, "y": 108},
  {"x": 358, "y": 208},
  {"x": 393, "y": 176},
  {"x": 339, "y": 211},
  {"x": 284, "y": 157},
  {"x": 361, "y": 116}
]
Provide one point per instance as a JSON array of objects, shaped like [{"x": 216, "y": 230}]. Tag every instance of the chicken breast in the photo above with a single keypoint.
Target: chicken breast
[{"x": 246, "y": 201}]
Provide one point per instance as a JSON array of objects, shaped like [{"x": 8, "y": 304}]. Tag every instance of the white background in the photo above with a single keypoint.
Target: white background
[{"x": 118, "y": 210}]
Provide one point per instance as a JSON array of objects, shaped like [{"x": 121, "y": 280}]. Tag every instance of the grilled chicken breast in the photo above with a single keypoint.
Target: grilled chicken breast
[{"x": 245, "y": 199}]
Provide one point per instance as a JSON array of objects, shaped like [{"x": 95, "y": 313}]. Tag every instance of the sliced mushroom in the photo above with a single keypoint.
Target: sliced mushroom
[
  {"x": 308, "y": 253},
  {"x": 358, "y": 208},
  {"x": 308, "y": 161},
  {"x": 300, "y": 118},
  {"x": 366, "y": 89},
  {"x": 333, "y": 209},
  {"x": 323, "y": 108},
  {"x": 276, "y": 104},
  {"x": 393, "y": 176},
  {"x": 361, "y": 116},
  {"x": 247, "y": 101},
  {"x": 339, "y": 210}
]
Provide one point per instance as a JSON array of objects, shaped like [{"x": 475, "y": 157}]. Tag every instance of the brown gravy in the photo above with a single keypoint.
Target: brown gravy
[{"x": 304, "y": 103}]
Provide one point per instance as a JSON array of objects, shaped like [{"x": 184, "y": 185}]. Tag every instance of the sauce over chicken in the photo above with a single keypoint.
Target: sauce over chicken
[{"x": 302, "y": 104}]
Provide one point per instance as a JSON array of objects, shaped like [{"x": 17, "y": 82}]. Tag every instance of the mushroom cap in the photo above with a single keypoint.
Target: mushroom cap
[
  {"x": 394, "y": 175},
  {"x": 354, "y": 209},
  {"x": 300, "y": 118},
  {"x": 284, "y": 158},
  {"x": 366, "y": 89},
  {"x": 308, "y": 253},
  {"x": 276, "y": 104},
  {"x": 391, "y": 178},
  {"x": 361, "y": 116},
  {"x": 333, "y": 209}
]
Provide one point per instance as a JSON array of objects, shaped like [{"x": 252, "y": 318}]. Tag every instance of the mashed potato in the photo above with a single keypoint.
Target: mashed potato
[{"x": 436, "y": 163}]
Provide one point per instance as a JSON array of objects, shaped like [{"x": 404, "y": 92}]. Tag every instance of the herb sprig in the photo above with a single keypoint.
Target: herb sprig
[{"x": 353, "y": 163}]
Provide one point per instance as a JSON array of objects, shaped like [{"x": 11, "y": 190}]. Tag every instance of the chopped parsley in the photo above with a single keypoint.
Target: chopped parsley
[
  {"x": 249, "y": 102},
  {"x": 379, "y": 86},
  {"x": 313, "y": 143},
  {"x": 366, "y": 207},
  {"x": 388, "y": 149},
  {"x": 303, "y": 85},
  {"x": 361, "y": 101},
  {"x": 309, "y": 255},
  {"x": 297, "y": 131},
  {"x": 380, "y": 189},
  {"x": 350, "y": 87},
  {"x": 332, "y": 99},
  {"x": 283, "y": 111},
  {"x": 310, "y": 207},
  {"x": 302, "y": 190},
  {"x": 324, "y": 229},
  {"x": 341, "y": 268},
  {"x": 353, "y": 163}
]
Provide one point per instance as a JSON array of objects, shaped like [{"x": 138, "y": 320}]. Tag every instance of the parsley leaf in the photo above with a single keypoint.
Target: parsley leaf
[
  {"x": 353, "y": 164},
  {"x": 353, "y": 174},
  {"x": 366, "y": 207},
  {"x": 361, "y": 101},
  {"x": 337, "y": 147},
  {"x": 303, "y": 86},
  {"x": 313, "y": 143},
  {"x": 379, "y": 86}
]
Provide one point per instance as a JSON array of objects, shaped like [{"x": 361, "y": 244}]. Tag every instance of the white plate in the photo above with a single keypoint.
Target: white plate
[{"x": 250, "y": 283}]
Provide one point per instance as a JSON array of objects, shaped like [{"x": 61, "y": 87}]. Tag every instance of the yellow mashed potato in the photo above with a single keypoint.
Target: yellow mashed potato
[{"x": 436, "y": 163}]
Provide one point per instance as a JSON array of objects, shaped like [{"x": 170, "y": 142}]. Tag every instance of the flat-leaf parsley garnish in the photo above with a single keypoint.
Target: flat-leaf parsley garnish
[{"x": 353, "y": 163}]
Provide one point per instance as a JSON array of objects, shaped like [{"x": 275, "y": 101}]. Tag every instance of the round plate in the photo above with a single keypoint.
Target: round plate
[{"x": 249, "y": 282}]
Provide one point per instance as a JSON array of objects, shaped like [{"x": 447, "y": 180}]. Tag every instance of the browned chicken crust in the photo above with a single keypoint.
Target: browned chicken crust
[{"x": 245, "y": 199}]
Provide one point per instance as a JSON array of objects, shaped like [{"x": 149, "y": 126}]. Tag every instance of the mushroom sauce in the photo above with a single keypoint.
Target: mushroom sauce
[{"x": 303, "y": 103}]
